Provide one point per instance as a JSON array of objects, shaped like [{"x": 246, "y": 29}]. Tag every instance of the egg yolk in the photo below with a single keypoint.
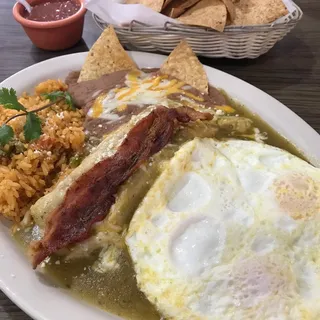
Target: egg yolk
[
  {"x": 256, "y": 278},
  {"x": 298, "y": 195}
]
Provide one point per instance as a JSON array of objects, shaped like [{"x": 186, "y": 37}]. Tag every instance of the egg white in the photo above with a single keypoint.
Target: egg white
[{"x": 230, "y": 230}]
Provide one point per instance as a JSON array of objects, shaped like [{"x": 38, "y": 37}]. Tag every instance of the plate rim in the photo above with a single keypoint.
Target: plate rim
[{"x": 307, "y": 135}]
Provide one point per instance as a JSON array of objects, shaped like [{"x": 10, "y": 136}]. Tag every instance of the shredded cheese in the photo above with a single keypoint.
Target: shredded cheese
[
  {"x": 226, "y": 109},
  {"x": 155, "y": 82},
  {"x": 122, "y": 107},
  {"x": 192, "y": 96},
  {"x": 141, "y": 89},
  {"x": 133, "y": 75},
  {"x": 97, "y": 108},
  {"x": 128, "y": 92}
]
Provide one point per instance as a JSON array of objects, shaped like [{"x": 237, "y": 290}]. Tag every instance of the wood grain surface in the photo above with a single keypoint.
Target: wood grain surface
[{"x": 290, "y": 72}]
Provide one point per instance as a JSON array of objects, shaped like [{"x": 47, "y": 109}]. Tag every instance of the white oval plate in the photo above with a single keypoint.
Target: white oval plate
[{"x": 17, "y": 279}]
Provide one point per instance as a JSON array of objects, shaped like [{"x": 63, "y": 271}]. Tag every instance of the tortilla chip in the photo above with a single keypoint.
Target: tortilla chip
[
  {"x": 177, "y": 7},
  {"x": 206, "y": 13},
  {"x": 155, "y": 5},
  {"x": 106, "y": 56},
  {"x": 184, "y": 65},
  {"x": 253, "y": 12},
  {"x": 231, "y": 9},
  {"x": 166, "y": 3}
]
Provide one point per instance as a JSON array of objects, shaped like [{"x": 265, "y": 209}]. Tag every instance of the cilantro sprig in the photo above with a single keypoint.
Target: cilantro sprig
[
  {"x": 32, "y": 128},
  {"x": 6, "y": 134},
  {"x": 8, "y": 98},
  {"x": 57, "y": 95}
]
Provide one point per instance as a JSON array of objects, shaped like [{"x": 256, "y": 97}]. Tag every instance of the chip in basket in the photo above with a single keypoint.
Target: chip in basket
[
  {"x": 231, "y": 9},
  {"x": 155, "y": 5},
  {"x": 216, "y": 14},
  {"x": 254, "y": 12},
  {"x": 206, "y": 13},
  {"x": 166, "y": 3},
  {"x": 177, "y": 7},
  {"x": 184, "y": 65}
]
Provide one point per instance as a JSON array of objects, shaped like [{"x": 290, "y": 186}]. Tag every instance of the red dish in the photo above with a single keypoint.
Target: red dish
[{"x": 52, "y": 35}]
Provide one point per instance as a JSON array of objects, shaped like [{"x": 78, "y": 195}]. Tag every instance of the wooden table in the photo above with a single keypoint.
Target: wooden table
[{"x": 290, "y": 72}]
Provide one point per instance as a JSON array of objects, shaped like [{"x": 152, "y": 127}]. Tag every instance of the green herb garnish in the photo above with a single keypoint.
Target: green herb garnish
[
  {"x": 54, "y": 96},
  {"x": 32, "y": 128},
  {"x": 6, "y": 134},
  {"x": 8, "y": 98},
  {"x": 75, "y": 161}
]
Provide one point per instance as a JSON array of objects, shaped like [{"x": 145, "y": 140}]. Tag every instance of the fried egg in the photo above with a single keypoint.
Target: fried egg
[{"x": 230, "y": 231}]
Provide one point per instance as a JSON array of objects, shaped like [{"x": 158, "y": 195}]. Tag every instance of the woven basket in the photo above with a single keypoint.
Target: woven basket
[{"x": 235, "y": 42}]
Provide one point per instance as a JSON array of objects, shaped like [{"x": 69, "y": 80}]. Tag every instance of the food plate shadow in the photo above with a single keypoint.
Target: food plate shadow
[{"x": 41, "y": 55}]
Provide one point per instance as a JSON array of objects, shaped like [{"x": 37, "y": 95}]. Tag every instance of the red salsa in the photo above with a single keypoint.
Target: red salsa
[{"x": 53, "y": 10}]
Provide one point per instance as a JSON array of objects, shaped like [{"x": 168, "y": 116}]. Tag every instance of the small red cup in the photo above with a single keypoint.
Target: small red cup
[{"x": 53, "y": 35}]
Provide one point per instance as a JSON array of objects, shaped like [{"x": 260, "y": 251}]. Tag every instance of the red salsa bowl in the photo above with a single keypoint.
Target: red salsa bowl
[{"x": 51, "y": 27}]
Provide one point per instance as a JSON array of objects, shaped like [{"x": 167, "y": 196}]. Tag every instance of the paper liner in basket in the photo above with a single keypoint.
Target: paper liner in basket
[{"x": 117, "y": 13}]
